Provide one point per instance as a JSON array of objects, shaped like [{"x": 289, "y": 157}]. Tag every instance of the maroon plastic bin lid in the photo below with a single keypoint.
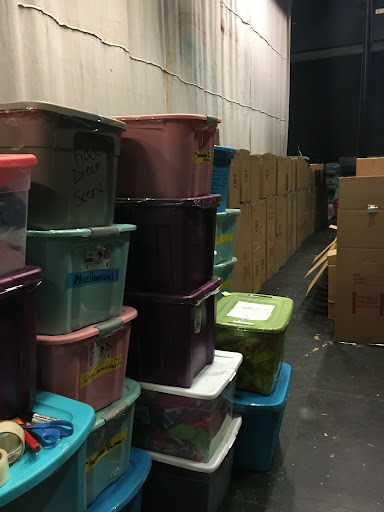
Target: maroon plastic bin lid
[
  {"x": 210, "y": 201},
  {"x": 29, "y": 275}
]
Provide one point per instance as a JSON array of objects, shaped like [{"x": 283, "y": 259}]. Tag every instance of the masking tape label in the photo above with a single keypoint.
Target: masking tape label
[
  {"x": 251, "y": 311},
  {"x": 108, "y": 366},
  {"x": 98, "y": 276},
  {"x": 224, "y": 238},
  {"x": 107, "y": 447},
  {"x": 200, "y": 157}
]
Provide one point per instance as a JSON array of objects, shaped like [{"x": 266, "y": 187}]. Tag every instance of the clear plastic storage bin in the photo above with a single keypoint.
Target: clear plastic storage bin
[
  {"x": 188, "y": 423},
  {"x": 87, "y": 365},
  {"x": 74, "y": 181},
  {"x": 166, "y": 155},
  {"x": 254, "y": 325},
  {"x": 176, "y": 484},
  {"x": 109, "y": 443},
  {"x": 226, "y": 223},
  {"x": 222, "y": 159},
  {"x": 84, "y": 275},
  {"x": 15, "y": 181},
  {"x": 225, "y": 271}
]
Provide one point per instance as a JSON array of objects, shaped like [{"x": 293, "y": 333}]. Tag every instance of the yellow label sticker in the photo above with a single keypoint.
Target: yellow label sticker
[
  {"x": 224, "y": 238},
  {"x": 107, "y": 447},
  {"x": 200, "y": 157},
  {"x": 107, "y": 366},
  {"x": 226, "y": 294}
]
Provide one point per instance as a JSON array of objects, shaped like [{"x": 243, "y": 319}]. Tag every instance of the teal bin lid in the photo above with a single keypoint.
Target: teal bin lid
[
  {"x": 131, "y": 393},
  {"x": 114, "y": 229},
  {"x": 254, "y": 312},
  {"x": 246, "y": 402},
  {"x": 229, "y": 211}
]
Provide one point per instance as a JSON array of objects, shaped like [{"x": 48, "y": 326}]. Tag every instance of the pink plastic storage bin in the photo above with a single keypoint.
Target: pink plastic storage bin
[
  {"x": 166, "y": 156},
  {"x": 87, "y": 365}
]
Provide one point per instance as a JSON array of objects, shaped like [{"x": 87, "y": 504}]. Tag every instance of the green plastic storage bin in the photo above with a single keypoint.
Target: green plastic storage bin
[
  {"x": 226, "y": 223},
  {"x": 84, "y": 275},
  {"x": 109, "y": 443},
  {"x": 225, "y": 271},
  {"x": 254, "y": 325}
]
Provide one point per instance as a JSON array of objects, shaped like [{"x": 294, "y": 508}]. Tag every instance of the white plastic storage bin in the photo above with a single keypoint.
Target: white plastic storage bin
[
  {"x": 74, "y": 181},
  {"x": 176, "y": 484},
  {"x": 188, "y": 423},
  {"x": 109, "y": 443}
]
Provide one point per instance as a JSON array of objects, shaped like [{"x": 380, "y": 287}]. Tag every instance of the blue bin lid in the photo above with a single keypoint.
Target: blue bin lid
[
  {"x": 223, "y": 152},
  {"x": 118, "y": 495},
  {"x": 251, "y": 403},
  {"x": 32, "y": 469}
]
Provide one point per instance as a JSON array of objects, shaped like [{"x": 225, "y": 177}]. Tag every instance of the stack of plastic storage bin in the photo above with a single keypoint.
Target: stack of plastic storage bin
[
  {"x": 255, "y": 325},
  {"x": 225, "y": 260},
  {"x": 163, "y": 188},
  {"x": 83, "y": 328}
]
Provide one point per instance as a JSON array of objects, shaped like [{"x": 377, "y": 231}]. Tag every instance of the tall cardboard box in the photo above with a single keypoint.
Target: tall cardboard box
[
  {"x": 245, "y": 176},
  {"x": 258, "y": 260},
  {"x": 271, "y": 237},
  {"x": 289, "y": 167},
  {"x": 331, "y": 256},
  {"x": 294, "y": 221},
  {"x": 259, "y": 223},
  {"x": 289, "y": 205},
  {"x": 281, "y": 214},
  {"x": 242, "y": 275},
  {"x": 281, "y": 250},
  {"x": 234, "y": 184},
  {"x": 370, "y": 166},
  {"x": 281, "y": 175},
  {"x": 255, "y": 176},
  {"x": 267, "y": 174},
  {"x": 294, "y": 173}
]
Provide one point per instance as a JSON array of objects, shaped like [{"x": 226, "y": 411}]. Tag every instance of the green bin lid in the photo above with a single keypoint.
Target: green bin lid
[
  {"x": 254, "y": 312},
  {"x": 114, "y": 229}
]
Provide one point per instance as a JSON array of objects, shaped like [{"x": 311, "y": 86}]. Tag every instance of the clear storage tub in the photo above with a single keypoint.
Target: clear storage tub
[
  {"x": 15, "y": 181},
  {"x": 166, "y": 155},
  {"x": 225, "y": 271},
  {"x": 226, "y": 223},
  {"x": 176, "y": 484},
  {"x": 84, "y": 275},
  {"x": 109, "y": 443},
  {"x": 222, "y": 159},
  {"x": 174, "y": 335},
  {"x": 74, "y": 181},
  {"x": 254, "y": 325},
  {"x": 87, "y": 365},
  {"x": 188, "y": 423}
]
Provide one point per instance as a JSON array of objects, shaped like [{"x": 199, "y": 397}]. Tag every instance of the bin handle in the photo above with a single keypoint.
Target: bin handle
[
  {"x": 109, "y": 326},
  {"x": 28, "y": 287},
  {"x": 212, "y": 120},
  {"x": 105, "y": 231}
]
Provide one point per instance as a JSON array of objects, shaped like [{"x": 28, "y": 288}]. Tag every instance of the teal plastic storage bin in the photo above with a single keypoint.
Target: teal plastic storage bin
[
  {"x": 109, "y": 443},
  {"x": 222, "y": 159},
  {"x": 84, "y": 275},
  {"x": 226, "y": 223},
  {"x": 125, "y": 495},
  {"x": 54, "y": 479},
  {"x": 262, "y": 418},
  {"x": 225, "y": 271}
]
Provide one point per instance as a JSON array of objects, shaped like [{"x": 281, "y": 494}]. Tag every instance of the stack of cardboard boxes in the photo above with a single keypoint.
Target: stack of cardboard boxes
[
  {"x": 277, "y": 198},
  {"x": 359, "y": 316}
]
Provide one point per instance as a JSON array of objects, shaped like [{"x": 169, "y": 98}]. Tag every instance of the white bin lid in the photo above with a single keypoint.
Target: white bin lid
[
  {"x": 204, "y": 467},
  {"x": 210, "y": 382}
]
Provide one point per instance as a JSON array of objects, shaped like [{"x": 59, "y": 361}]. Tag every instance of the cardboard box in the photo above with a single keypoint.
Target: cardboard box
[
  {"x": 255, "y": 173},
  {"x": 281, "y": 214},
  {"x": 259, "y": 223},
  {"x": 289, "y": 164},
  {"x": 258, "y": 260},
  {"x": 332, "y": 283},
  {"x": 281, "y": 175},
  {"x": 302, "y": 173},
  {"x": 289, "y": 208},
  {"x": 267, "y": 174},
  {"x": 245, "y": 176},
  {"x": 294, "y": 173},
  {"x": 294, "y": 221},
  {"x": 281, "y": 250},
  {"x": 271, "y": 237},
  {"x": 370, "y": 166},
  {"x": 233, "y": 200},
  {"x": 242, "y": 275},
  {"x": 360, "y": 295},
  {"x": 331, "y": 310},
  {"x": 357, "y": 192}
]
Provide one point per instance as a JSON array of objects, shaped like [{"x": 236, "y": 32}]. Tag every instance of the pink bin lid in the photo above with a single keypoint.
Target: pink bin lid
[
  {"x": 169, "y": 117},
  {"x": 127, "y": 315},
  {"x": 17, "y": 160}
]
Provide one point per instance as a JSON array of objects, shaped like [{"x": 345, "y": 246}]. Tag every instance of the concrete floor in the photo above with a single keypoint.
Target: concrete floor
[{"x": 331, "y": 453}]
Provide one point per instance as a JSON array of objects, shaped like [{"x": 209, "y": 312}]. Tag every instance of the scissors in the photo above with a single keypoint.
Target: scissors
[{"x": 49, "y": 433}]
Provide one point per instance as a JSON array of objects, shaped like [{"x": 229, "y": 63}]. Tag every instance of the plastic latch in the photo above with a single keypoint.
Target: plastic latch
[
  {"x": 105, "y": 231},
  {"x": 114, "y": 410},
  {"x": 109, "y": 326},
  {"x": 212, "y": 120},
  {"x": 373, "y": 208}
]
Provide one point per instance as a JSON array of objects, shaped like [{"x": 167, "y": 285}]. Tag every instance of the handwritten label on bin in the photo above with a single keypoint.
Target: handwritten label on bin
[
  {"x": 107, "y": 366},
  {"x": 107, "y": 447},
  {"x": 200, "y": 157},
  {"x": 87, "y": 277}
]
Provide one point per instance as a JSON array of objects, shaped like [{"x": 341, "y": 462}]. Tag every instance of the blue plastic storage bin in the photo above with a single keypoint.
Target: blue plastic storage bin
[
  {"x": 125, "y": 494},
  {"x": 226, "y": 223},
  {"x": 54, "y": 479},
  {"x": 222, "y": 158},
  {"x": 262, "y": 418}
]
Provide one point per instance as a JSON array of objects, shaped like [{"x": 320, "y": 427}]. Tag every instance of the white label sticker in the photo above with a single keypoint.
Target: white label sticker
[
  {"x": 197, "y": 326},
  {"x": 99, "y": 354},
  {"x": 99, "y": 258},
  {"x": 251, "y": 311}
]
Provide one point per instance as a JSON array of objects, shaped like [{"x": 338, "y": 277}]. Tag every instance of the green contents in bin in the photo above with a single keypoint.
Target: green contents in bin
[{"x": 254, "y": 325}]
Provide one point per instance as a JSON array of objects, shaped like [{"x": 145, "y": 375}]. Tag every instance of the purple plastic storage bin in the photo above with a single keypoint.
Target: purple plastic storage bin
[
  {"x": 172, "y": 250},
  {"x": 18, "y": 339},
  {"x": 173, "y": 337}
]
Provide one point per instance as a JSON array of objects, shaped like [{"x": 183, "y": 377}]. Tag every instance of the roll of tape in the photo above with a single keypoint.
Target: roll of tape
[
  {"x": 4, "y": 467},
  {"x": 12, "y": 440}
]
